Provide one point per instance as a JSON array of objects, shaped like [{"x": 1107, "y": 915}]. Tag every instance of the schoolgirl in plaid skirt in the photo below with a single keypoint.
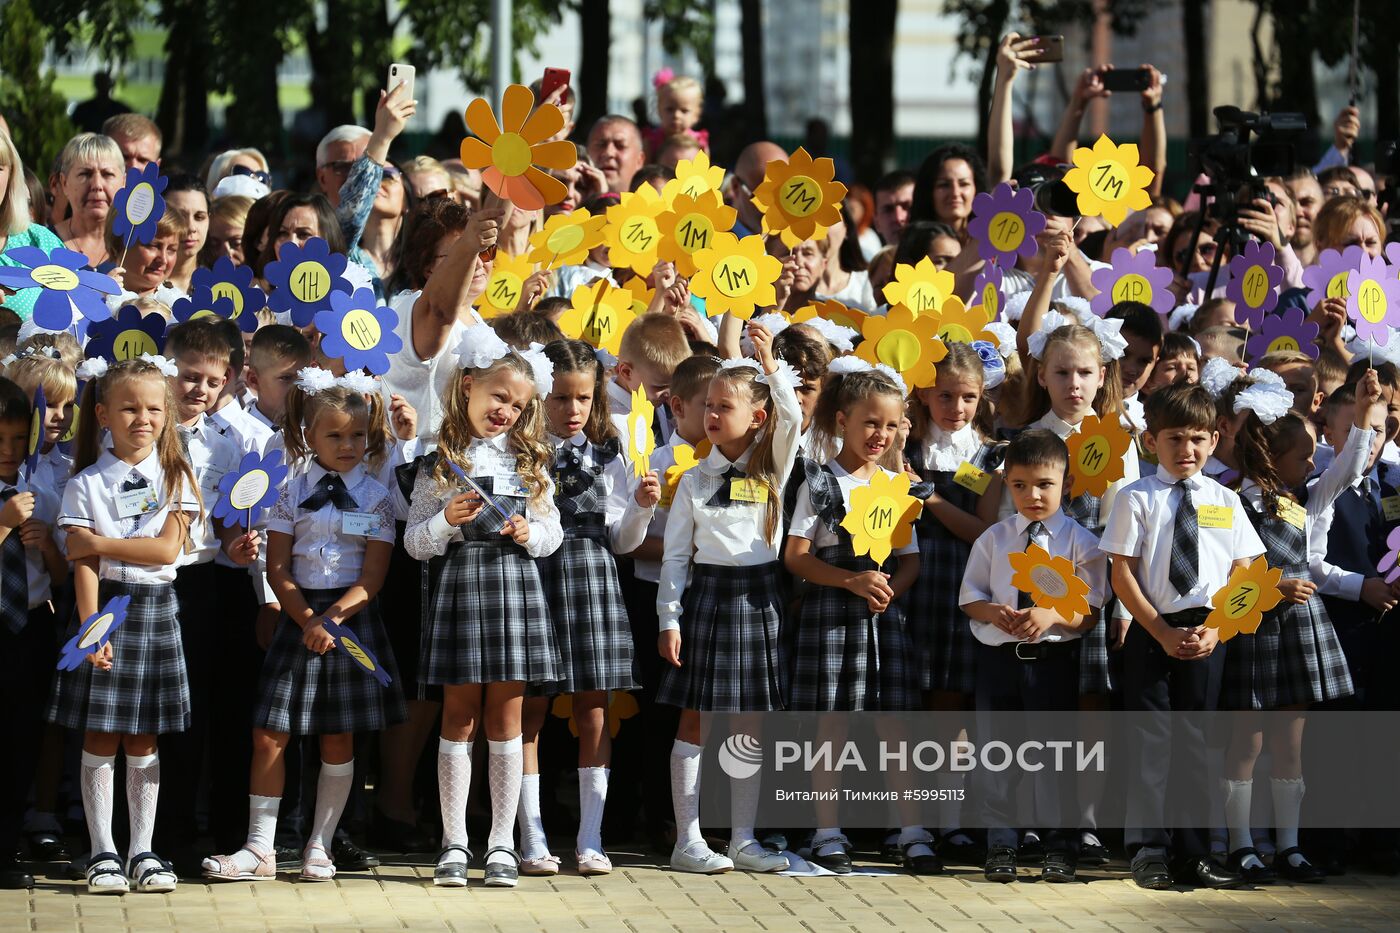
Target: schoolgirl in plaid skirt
[
  {"x": 134, "y": 687},
  {"x": 592, "y": 482},
  {"x": 486, "y": 501},
  {"x": 330, "y": 535},
  {"x": 1294, "y": 659},
  {"x": 719, "y": 599}
]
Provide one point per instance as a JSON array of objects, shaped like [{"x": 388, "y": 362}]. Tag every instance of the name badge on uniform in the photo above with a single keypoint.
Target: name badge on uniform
[
  {"x": 359, "y": 524},
  {"x": 1215, "y": 516},
  {"x": 508, "y": 484},
  {"x": 1390, "y": 508},
  {"x": 136, "y": 501},
  {"x": 209, "y": 477},
  {"x": 1293, "y": 513},
  {"x": 747, "y": 490},
  {"x": 970, "y": 477}
]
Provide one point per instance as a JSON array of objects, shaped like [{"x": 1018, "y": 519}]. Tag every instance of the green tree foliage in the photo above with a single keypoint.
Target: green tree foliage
[
  {"x": 37, "y": 114},
  {"x": 686, "y": 25}
]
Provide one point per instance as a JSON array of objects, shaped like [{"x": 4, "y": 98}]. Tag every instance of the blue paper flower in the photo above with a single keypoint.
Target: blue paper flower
[
  {"x": 95, "y": 632},
  {"x": 69, "y": 440},
  {"x": 36, "y": 434},
  {"x": 138, "y": 207},
  {"x": 248, "y": 490},
  {"x": 68, "y": 288},
  {"x": 202, "y": 303},
  {"x": 126, "y": 336},
  {"x": 234, "y": 282},
  {"x": 303, "y": 279},
  {"x": 346, "y": 641},
  {"x": 359, "y": 330}
]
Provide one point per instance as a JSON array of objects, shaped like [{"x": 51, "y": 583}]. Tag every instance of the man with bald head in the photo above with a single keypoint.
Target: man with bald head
[
  {"x": 615, "y": 146},
  {"x": 748, "y": 175}
]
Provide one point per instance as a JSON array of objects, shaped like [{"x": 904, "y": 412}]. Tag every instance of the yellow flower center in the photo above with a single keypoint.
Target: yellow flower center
[
  {"x": 899, "y": 349},
  {"x": 735, "y": 276},
  {"x": 694, "y": 232},
  {"x": 800, "y": 196},
  {"x": 566, "y": 239},
  {"x": 1132, "y": 287},
  {"x": 231, "y": 292},
  {"x": 879, "y": 518},
  {"x": 511, "y": 154},
  {"x": 360, "y": 329},
  {"x": 1109, "y": 180},
  {"x": 55, "y": 277},
  {"x": 1006, "y": 231}
]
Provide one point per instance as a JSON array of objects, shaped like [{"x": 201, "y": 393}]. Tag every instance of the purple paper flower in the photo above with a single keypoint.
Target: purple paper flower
[
  {"x": 126, "y": 336},
  {"x": 68, "y": 288},
  {"x": 1327, "y": 278},
  {"x": 138, "y": 207},
  {"x": 235, "y": 283},
  {"x": 1290, "y": 330},
  {"x": 95, "y": 632},
  {"x": 360, "y": 330},
  {"x": 36, "y": 435},
  {"x": 986, "y": 291},
  {"x": 1254, "y": 282},
  {"x": 201, "y": 303},
  {"x": 1005, "y": 223},
  {"x": 1374, "y": 302},
  {"x": 303, "y": 278},
  {"x": 1133, "y": 278},
  {"x": 1390, "y": 563}
]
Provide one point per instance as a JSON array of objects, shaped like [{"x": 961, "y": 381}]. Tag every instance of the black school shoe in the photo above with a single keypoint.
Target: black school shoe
[
  {"x": 1306, "y": 873},
  {"x": 1001, "y": 864},
  {"x": 350, "y": 857},
  {"x": 1031, "y": 851},
  {"x": 1254, "y": 874},
  {"x": 47, "y": 847},
  {"x": 1208, "y": 873},
  {"x": 13, "y": 877},
  {"x": 967, "y": 853},
  {"x": 1059, "y": 867},
  {"x": 1152, "y": 874},
  {"x": 1094, "y": 854}
]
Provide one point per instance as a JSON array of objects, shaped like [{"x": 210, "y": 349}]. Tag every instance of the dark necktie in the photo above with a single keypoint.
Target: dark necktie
[
  {"x": 1033, "y": 530},
  {"x": 330, "y": 489},
  {"x": 721, "y": 496},
  {"x": 1186, "y": 551},
  {"x": 14, "y": 576}
]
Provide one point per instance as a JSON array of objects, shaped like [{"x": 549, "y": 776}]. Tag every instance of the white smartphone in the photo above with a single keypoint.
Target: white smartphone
[{"x": 401, "y": 74}]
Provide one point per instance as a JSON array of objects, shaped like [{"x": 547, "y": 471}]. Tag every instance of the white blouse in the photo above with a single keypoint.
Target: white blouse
[
  {"x": 46, "y": 511},
  {"x": 328, "y": 545},
  {"x": 211, "y": 455}
]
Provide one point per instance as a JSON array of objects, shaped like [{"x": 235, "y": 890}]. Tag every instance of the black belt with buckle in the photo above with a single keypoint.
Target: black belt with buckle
[{"x": 1036, "y": 651}]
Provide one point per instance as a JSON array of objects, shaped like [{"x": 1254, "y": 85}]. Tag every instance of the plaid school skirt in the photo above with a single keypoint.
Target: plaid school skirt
[
  {"x": 489, "y": 622},
  {"x": 732, "y": 660},
  {"x": 147, "y": 691},
  {"x": 943, "y": 652},
  {"x": 304, "y": 693},
  {"x": 589, "y": 618},
  {"x": 844, "y": 656}
]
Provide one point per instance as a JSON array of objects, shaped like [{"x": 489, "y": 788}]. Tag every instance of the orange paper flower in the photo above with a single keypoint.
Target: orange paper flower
[
  {"x": 689, "y": 224},
  {"x": 632, "y": 235},
  {"x": 621, "y": 705},
  {"x": 598, "y": 314},
  {"x": 798, "y": 197},
  {"x": 1241, "y": 603},
  {"x": 1096, "y": 454},
  {"x": 881, "y": 517},
  {"x": 735, "y": 276},
  {"x": 507, "y": 153},
  {"x": 922, "y": 288},
  {"x": 905, "y": 342},
  {"x": 1050, "y": 581},
  {"x": 835, "y": 312},
  {"x": 567, "y": 238}
]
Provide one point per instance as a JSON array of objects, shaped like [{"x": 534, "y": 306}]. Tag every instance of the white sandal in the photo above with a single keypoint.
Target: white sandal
[{"x": 105, "y": 875}]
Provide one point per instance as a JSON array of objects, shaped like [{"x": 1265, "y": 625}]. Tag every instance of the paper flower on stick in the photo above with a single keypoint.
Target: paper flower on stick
[
  {"x": 364, "y": 659},
  {"x": 735, "y": 276},
  {"x": 1290, "y": 330},
  {"x": 693, "y": 178},
  {"x": 506, "y": 154},
  {"x": 1327, "y": 278},
  {"x": 66, "y": 287},
  {"x": 1132, "y": 277},
  {"x": 248, "y": 490},
  {"x": 1050, "y": 582},
  {"x": 1390, "y": 561},
  {"x": 566, "y": 239},
  {"x": 138, "y": 207},
  {"x": 921, "y": 288},
  {"x": 1109, "y": 180},
  {"x": 686, "y": 457},
  {"x": 302, "y": 279},
  {"x": 226, "y": 280},
  {"x": 126, "y": 336},
  {"x": 598, "y": 313},
  {"x": 986, "y": 291},
  {"x": 620, "y": 706},
  {"x": 1254, "y": 282},
  {"x": 1374, "y": 302},
  {"x": 639, "y": 293},
  {"x": 1096, "y": 454},
  {"x": 1005, "y": 223},
  {"x": 95, "y": 632},
  {"x": 504, "y": 285},
  {"x": 35, "y": 445},
  {"x": 200, "y": 304},
  {"x": 833, "y": 311},
  {"x": 640, "y": 443},
  {"x": 958, "y": 324},
  {"x": 631, "y": 233},
  {"x": 1241, "y": 603},
  {"x": 881, "y": 517},
  {"x": 360, "y": 331},
  {"x": 798, "y": 197},
  {"x": 689, "y": 224},
  {"x": 905, "y": 342}
]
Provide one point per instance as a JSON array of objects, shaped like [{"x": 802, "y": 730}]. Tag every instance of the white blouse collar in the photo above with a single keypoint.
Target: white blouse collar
[
  {"x": 114, "y": 470},
  {"x": 947, "y": 450}
]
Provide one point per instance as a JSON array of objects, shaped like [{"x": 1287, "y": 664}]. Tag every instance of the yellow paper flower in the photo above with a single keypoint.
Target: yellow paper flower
[
  {"x": 631, "y": 233},
  {"x": 798, "y": 197},
  {"x": 1109, "y": 180},
  {"x": 598, "y": 313},
  {"x": 504, "y": 285},
  {"x": 621, "y": 705},
  {"x": 960, "y": 324},
  {"x": 905, "y": 342},
  {"x": 921, "y": 288},
  {"x": 567, "y": 238},
  {"x": 507, "y": 153},
  {"x": 640, "y": 442},
  {"x": 686, "y": 458},
  {"x": 689, "y": 224},
  {"x": 735, "y": 276},
  {"x": 639, "y": 293},
  {"x": 1096, "y": 454},
  {"x": 1241, "y": 603},
  {"x": 881, "y": 517},
  {"x": 1050, "y": 581},
  {"x": 693, "y": 178}
]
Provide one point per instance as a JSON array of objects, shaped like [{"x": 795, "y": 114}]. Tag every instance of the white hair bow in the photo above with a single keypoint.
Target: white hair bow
[
  {"x": 479, "y": 347},
  {"x": 1052, "y": 322},
  {"x": 842, "y": 338},
  {"x": 542, "y": 367},
  {"x": 166, "y": 367},
  {"x": 313, "y": 380},
  {"x": 1267, "y": 396},
  {"x": 360, "y": 382},
  {"x": 92, "y": 368},
  {"x": 1111, "y": 340},
  {"x": 1217, "y": 375}
]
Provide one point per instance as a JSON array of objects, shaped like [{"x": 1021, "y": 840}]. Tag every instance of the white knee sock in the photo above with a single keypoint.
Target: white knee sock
[
  {"x": 1239, "y": 797},
  {"x": 685, "y": 794},
  {"x": 332, "y": 790},
  {"x": 142, "y": 790},
  {"x": 454, "y": 784},
  {"x": 504, "y": 766},
  {"x": 743, "y": 807},
  {"x": 262, "y": 827},
  {"x": 592, "y": 798},
  {"x": 1288, "y": 806},
  {"x": 97, "y": 778},
  {"x": 532, "y": 839}
]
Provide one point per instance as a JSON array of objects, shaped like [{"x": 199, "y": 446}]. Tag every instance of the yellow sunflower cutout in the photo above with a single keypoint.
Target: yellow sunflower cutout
[
  {"x": 693, "y": 178},
  {"x": 960, "y": 324},
  {"x": 621, "y": 705},
  {"x": 687, "y": 457},
  {"x": 631, "y": 233},
  {"x": 507, "y": 153},
  {"x": 504, "y": 285},
  {"x": 881, "y": 516},
  {"x": 567, "y": 238},
  {"x": 904, "y": 341},
  {"x": 640, "y": 443},
  {"x": 1096, "y": 454},
  {"x": 1050, "y": 581},
  {"x": 1109, "y": 180},
  {"x": 639, "y": 293},
  {"x": 598, "y": 313},
  {"x": 798, "y": 197},
  {"x": 735, "y": 276},
  {"x": 689, "y": 224},
  {"x": 1241, "y": 603},
  {"x": 922, "y": 288}
]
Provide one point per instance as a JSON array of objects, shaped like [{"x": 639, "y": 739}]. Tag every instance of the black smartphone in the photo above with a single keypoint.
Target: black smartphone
[
  {"x": 1051, "y": 48},
  {"x": 1126, "y": 79}
]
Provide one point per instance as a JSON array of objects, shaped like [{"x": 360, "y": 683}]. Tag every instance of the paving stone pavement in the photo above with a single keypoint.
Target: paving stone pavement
[{"x": 640, "y": 897}]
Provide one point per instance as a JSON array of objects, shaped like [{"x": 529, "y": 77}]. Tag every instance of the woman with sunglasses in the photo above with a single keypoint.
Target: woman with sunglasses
[{"x": 1177, "y": 250}]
